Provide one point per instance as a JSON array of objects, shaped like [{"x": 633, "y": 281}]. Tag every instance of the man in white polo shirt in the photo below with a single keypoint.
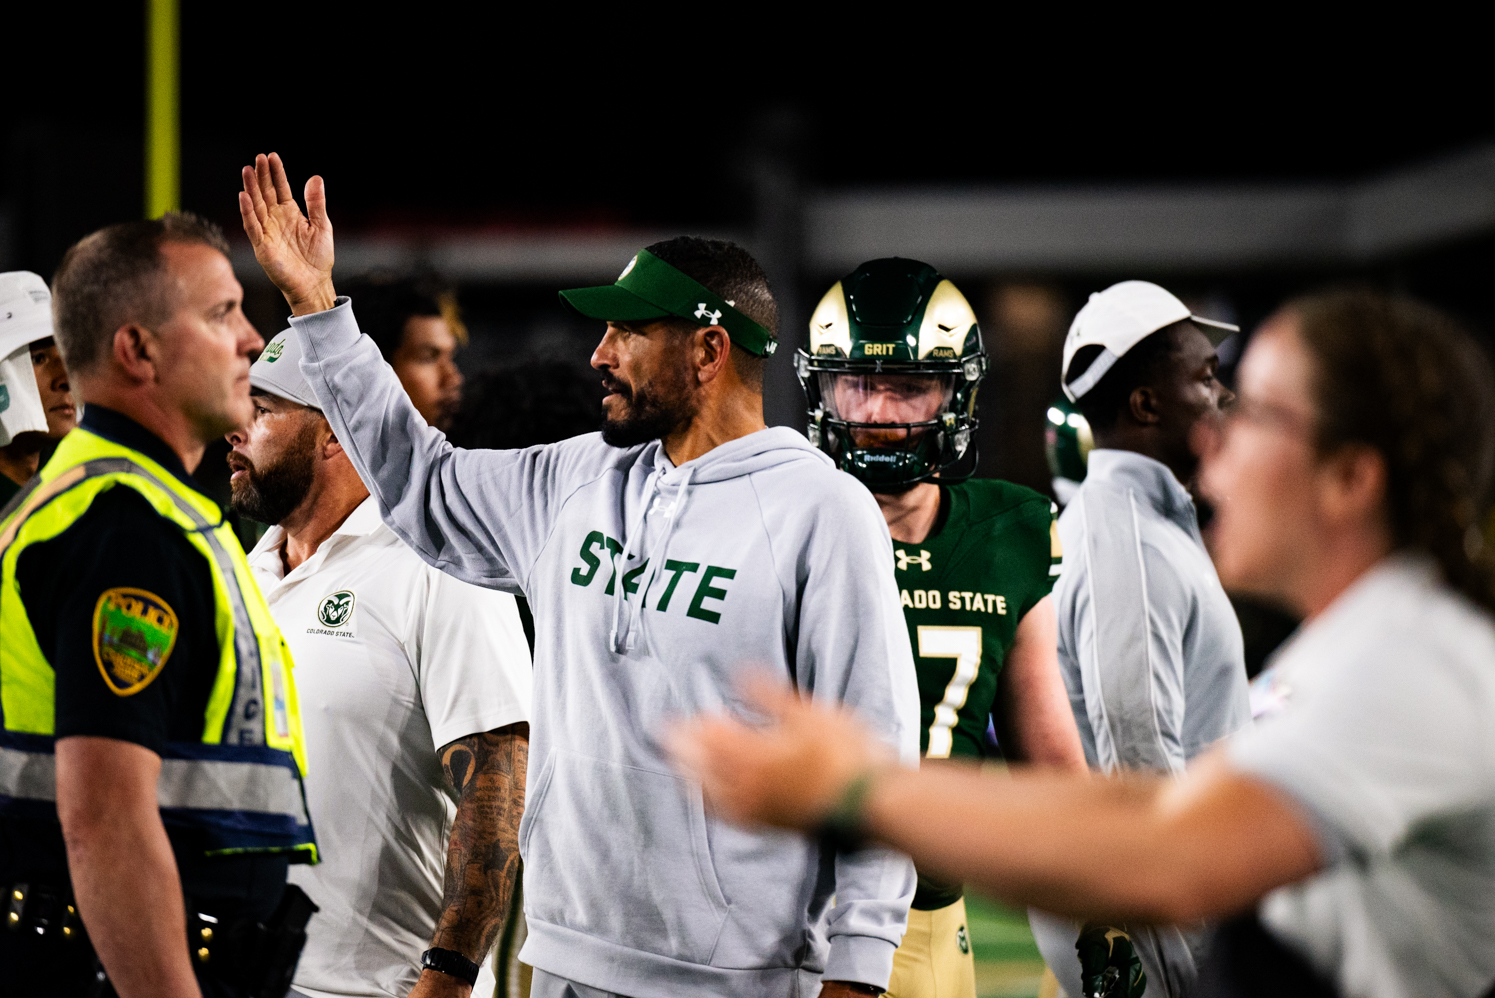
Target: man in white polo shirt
[{"x": 415, "y": 689}]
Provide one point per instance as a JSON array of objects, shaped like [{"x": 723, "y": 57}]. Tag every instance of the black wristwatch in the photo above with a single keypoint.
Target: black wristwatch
[{"x": 449, "y": 961}]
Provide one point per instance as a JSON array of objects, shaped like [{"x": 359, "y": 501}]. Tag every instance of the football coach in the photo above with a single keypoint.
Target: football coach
[{"x": 682, "y": 547}]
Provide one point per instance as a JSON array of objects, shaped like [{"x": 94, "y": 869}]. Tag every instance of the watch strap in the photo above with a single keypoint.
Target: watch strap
[{"x": 448, "y": 961}]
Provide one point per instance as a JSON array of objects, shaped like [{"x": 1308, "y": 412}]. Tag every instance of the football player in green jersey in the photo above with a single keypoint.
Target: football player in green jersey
[{"x": 891, "y": 371}]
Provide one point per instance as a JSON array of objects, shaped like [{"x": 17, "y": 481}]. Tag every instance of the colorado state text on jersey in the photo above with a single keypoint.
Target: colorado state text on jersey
[{"x": 955, "y": 599}]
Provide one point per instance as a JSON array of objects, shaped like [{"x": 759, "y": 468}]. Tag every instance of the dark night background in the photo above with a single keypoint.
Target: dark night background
[{"x": 431, "y": 120}]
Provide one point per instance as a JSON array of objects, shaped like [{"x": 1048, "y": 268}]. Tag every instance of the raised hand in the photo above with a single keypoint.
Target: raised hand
[{"x": 294, "y": 249}]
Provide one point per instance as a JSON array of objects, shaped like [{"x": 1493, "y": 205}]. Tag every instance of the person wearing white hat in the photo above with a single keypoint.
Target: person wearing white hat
[
  {"x": 1149, "y": 645},
  {"x": 25, "y": 317},
  {"x": 416, "y": 693}
]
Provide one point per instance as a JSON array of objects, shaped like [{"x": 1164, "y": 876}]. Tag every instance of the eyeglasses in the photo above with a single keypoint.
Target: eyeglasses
[{"x": 1270, "y": 415}]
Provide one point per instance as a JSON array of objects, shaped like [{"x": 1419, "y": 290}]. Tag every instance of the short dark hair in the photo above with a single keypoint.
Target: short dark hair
[
  {"x": 385, "y": 303},
  {"x": 729, "y": 271},
  {"x": 1139, "y": 367},
  {"x": 114, "y": 276},
  {"x": 1406, "y": 380}
]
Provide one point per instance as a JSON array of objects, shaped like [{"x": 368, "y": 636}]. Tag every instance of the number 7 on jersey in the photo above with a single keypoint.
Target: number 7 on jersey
[{"x": 964, "y": 645}]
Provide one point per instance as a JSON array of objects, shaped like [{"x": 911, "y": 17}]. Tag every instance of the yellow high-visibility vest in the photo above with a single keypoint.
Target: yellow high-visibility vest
[{"x": 240, "y": 785}]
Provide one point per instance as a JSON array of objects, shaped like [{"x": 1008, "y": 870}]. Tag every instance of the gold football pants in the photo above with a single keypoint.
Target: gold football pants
[{"x": 935, "y": 959}]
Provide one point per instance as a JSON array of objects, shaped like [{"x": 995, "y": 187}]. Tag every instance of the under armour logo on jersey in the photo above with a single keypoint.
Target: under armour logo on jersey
[
  {"x": 705, "y": 313},
  {"x": 904, "y": 560}
]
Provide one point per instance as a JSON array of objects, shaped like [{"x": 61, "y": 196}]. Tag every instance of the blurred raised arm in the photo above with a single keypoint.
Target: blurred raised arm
[{"x": 1136, "y": 847}]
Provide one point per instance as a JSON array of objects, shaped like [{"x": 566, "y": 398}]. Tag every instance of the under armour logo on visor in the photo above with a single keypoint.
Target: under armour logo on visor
[
  {"x": 705, "y": 313},
  {"x": 904, "y": 560}
]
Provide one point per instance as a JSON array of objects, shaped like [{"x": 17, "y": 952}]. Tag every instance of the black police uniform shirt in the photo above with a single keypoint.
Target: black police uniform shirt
[{"x": 121, "y": 542}]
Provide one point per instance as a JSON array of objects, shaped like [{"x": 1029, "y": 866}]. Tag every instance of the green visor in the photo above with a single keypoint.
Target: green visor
[{"x": 651, "y": 289}]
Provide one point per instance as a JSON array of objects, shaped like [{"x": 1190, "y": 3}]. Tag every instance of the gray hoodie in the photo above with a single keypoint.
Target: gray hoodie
[{"x": 655, "y": 590}]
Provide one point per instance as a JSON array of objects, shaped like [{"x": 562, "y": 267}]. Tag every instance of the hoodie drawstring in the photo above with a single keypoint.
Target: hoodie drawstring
[{"x": 624, "y": 643}]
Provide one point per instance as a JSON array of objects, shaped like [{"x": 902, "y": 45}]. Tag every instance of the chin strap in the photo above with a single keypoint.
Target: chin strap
[{"x": 955, "y": 478}]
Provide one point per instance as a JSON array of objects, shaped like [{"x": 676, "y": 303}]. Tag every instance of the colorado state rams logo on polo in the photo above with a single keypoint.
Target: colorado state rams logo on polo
[{"x": 336, "y": 609}]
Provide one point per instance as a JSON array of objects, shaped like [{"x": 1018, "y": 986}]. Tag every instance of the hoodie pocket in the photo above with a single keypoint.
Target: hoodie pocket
[{"x": 620, "y": 853}]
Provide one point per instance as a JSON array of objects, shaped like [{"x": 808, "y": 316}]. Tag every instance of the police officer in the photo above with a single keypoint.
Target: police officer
[{"x": 144, "y": 687}]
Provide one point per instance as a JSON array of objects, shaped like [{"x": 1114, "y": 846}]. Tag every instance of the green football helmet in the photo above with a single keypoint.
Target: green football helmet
[
  {"x": 1067, "y": 443},
  {"x": 891, "y": 371}
]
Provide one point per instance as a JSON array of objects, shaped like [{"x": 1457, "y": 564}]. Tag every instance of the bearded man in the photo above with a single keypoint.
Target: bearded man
[
  {"x": 416, "y": 690},
  {"x": 681, "y": 549}
]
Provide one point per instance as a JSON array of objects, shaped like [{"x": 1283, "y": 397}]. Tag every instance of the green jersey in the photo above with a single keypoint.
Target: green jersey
[{"x": 965, "y": 588}]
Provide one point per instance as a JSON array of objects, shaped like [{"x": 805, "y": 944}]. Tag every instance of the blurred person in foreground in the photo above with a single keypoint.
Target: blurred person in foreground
[
  {"x": 685, "y": 546},
  {"x": 416, "y": 689},
  {"x": 151, "y": 789},
  {"x": 1148, "y": 641},
  {"x": 891, "y": 371},
  {"x": 1350, "y": 836},
  {"x": 418, "y": 328},
  {"x": 37, "y": 412}
]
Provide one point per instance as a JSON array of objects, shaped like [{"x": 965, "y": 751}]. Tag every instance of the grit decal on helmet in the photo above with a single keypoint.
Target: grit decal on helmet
[{"x": 891, "y": 370}]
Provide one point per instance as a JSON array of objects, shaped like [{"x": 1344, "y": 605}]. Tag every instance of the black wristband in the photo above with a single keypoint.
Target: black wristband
[{"x": 449, "y": 961}]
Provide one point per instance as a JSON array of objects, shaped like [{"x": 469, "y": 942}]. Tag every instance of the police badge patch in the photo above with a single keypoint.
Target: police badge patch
[{"x": 134, "y": 632}]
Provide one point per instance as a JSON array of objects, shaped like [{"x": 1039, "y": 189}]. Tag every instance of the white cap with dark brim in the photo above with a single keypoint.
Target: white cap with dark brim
[
  {"x": 278, "y": 371},
  {"x": 1119, "y": 318},
  {"x": 25, "y": 310},
  {"x": 25, "y": 317}
]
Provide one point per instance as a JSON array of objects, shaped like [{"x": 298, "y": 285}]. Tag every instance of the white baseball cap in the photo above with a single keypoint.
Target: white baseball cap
[
  {"x": 1119, "y": 318},
  {"x": 25, "y": 317},
  {"x": 278, "y": 371},
  {"x": 25, "y": 310}
]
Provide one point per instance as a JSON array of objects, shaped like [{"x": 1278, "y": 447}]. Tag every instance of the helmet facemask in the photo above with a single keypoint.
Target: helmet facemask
[{"x": 889, "y": 429}]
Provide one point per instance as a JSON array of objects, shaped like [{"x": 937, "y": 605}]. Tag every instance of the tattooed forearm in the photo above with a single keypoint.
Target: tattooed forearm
[{"x": 486, "y": 771}]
